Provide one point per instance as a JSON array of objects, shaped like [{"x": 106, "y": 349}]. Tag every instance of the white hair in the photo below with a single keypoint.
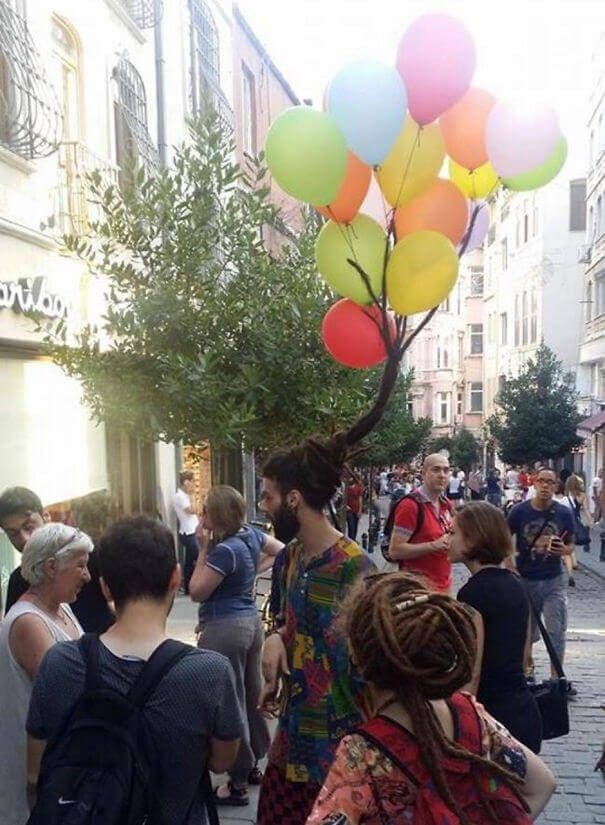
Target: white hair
[{"x": 52, "y": 541}]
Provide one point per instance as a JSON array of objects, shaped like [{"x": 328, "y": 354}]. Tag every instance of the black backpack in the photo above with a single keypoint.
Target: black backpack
[
  {"x": 396, "y": 500},
  {"x": 101, "y": 767}
]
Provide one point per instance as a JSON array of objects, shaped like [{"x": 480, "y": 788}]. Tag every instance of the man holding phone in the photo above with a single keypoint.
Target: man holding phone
[{"x": 543, "y": 532}]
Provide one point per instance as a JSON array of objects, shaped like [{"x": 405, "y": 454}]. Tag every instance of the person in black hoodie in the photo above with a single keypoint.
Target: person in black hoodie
[{"x": 21, "y": 513}]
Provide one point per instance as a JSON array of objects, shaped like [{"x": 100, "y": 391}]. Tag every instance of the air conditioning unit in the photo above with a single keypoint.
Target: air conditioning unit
[{"x": 584, "y": 254}]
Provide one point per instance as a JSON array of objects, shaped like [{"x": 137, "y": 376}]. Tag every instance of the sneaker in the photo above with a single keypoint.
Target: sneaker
[
  {"x": 571, "y": 582},
  {"x": 571, "y": 691},
  {"x": 255, "y": 777}
]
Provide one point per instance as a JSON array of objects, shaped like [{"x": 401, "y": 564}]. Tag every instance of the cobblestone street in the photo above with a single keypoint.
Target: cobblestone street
[{"x": 580, "y": 796}]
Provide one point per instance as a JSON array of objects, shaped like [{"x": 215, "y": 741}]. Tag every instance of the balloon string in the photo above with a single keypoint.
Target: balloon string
[{"x": 405, "y": 174}]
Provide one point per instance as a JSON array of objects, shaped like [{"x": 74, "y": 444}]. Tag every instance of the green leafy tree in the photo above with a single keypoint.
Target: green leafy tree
[
  {"x": 537, "y": 416},
  {"x": 463, "y": 448},
  {"x": 397, "y": 437},
  {"x": 207, "y": 336},
  {"x": 466, "y": 449}
]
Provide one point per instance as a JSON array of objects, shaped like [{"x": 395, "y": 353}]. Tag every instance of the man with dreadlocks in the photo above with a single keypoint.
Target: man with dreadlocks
[
  {"x": 427, "y": 754},
  {"x": 306, "y": 650}
]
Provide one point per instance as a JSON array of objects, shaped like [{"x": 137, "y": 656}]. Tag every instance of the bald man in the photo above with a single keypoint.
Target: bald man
[{"x": 421, "y": 530}]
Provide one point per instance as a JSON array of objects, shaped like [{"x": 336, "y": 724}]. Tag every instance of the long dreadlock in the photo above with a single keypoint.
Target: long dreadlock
[{"x": 422, "y": 646}]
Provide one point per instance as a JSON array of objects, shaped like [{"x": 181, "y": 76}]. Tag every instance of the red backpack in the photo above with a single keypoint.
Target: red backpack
[{"x": 476, "y": 791}]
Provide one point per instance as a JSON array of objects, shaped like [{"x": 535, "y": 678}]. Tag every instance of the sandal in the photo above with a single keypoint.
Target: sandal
[
  {"x": 238, "y": 797},
  {"x": 255, "y": 777}
]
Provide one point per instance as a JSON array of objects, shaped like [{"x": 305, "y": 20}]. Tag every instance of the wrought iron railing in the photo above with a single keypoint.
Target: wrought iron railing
[
  {"x": 30, "y": 116},
  {"x": 145, "y": 13},
  {"x": 77, "y": 208}
]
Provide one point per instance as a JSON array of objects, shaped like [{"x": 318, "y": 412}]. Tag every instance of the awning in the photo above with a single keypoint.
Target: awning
[{"x": 591, "y": 425}]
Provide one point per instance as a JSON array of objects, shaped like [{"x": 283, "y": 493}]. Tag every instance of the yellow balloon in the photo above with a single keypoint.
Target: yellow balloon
[
  {"x": 477, "y": 184},
  {"x": 421, "y": 272},
  {"x": 412, "y": 164}
]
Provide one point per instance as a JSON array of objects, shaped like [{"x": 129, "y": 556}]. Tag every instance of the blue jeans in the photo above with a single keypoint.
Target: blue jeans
[{"x": 550, "y": 599}]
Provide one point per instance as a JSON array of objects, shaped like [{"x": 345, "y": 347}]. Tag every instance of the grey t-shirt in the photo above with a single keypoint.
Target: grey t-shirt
[{"x": 194, "y": 702}]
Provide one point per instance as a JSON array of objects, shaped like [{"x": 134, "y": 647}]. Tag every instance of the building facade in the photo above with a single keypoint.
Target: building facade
[
  {"x": 83, "y": 87},
  {"x": 591, "y": 373},
  {"x": 447, "y": 357}
]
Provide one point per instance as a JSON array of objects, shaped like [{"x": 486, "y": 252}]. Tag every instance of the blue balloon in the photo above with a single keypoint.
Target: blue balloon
[{"x": 368, "y": 101}]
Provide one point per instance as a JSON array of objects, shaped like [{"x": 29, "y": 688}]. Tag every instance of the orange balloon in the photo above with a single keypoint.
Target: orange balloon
[
  {"x": 351, "y": 194},
  {"x": 441, "y": 208},
  {"x": 463, "y": 128}
]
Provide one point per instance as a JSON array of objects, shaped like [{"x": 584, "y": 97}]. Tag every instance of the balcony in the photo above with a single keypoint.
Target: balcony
[
  {"x": 77, "y": 209},
  {"x": 145, "y": 14}
]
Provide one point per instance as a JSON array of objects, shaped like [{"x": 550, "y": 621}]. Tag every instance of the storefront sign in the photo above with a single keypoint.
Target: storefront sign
[{"x": 31, "y": 295}]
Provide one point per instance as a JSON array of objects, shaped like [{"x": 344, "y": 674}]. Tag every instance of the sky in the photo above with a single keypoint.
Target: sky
[{"x": 530, "y": 51}]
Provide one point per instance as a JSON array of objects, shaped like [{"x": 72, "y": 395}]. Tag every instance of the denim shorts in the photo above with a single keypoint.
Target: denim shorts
[{"x": 550, "y": 599}]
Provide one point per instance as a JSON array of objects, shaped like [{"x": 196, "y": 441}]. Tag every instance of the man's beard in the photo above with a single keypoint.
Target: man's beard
[{"x": 286, "y": 525}]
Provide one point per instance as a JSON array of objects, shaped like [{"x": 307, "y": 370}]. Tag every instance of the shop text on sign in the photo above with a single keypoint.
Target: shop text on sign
[{"x": 31, "y": 295}]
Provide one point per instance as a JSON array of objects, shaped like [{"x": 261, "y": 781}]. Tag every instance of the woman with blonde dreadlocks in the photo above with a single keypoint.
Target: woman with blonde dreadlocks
[{"x": 427, "y": 753}]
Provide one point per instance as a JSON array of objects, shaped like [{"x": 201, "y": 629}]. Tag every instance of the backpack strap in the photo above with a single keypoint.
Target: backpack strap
[
  {"x": 161, "y": 661},
  {"x": 89, "y": 648},
  {"x": 467, "y": 725}
]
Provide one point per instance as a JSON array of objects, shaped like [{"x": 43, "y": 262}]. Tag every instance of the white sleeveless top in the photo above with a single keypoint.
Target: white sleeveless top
[{"x": 15, "y": 693}]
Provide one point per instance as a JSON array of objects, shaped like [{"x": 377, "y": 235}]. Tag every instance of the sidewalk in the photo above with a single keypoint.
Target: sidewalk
[{"x": 592, "y": 560}]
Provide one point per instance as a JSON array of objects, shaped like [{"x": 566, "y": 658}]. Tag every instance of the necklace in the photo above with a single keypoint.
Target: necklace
[{"x": 60, "y": 616}]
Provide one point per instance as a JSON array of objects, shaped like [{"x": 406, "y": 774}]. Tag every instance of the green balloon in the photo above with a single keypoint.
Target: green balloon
[
  {"x": 307, "y": 154},
  {"x": 542, "y": 174},
  {"x": 363, "y": 241}
]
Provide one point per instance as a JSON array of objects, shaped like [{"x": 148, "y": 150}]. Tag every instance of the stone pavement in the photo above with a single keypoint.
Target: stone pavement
[
  {"x": 592, "y": 560},
  {"x": 580, "y": 796}
]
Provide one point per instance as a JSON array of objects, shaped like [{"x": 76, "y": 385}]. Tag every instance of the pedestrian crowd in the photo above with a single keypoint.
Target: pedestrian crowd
[{"x": 396, "y": 701}]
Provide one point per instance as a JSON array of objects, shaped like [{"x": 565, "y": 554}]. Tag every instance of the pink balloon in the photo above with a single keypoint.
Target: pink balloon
[
  {"x": 436, "y": 59},
  {"x": 519, "y": 141},
  {"x": 375, "y": 205},
  {"x": 351, "y": 337},
  {"x": 480, "y": 227}
]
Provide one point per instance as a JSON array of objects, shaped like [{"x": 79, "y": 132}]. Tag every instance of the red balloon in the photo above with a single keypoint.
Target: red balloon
[{"x": 351, "y": 337}]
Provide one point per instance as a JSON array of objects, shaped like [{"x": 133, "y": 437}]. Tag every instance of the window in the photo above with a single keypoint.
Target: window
[
  {"x": 460, "y": 351},
  {"x": 206, "y": 92},
  {"x": 577, "y": 205},
  {"x": 459, "y": 404},
  {"x": 133, "y": 141},
  {"x": 30, "y": 118},
  {"x": 446, "y": 306},
  {"x": 501, "y": 382},
  {"x": 443, "y": 407},
  {"x": 504, "y": 251},
  {"x": 67, "y": 80},
  {"x": 524, "y": 319},
  {"x": 446, "y": 357},
  {"x": 476, "y": 331},
  {"x": 518, "y": 233},
  {"x": 410, "y": 408},
  {"x": 525, "y": 228},
  {"x": 476, "y": 280},
  {"x": 534, "y": 316},
  {"x": 599, "y": 218},
  {"x": 438, "y": 356},
  {"x": 503, "y": 329},
  {"x": 517, "y": 322},
  {"x": 476, "y": 396},
  {"x": 589, "y": 301},
  {"x": 491, "y": 234},
  {"x": 592, "y": 228},
  {"x": 248, "y": 110}
]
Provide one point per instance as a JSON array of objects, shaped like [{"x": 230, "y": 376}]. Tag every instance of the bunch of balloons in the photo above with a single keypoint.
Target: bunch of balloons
[{"x": 371, "y": 162}]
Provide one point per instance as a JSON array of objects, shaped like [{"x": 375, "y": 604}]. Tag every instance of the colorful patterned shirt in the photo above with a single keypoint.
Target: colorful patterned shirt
[{"x": 320, "y": 704}]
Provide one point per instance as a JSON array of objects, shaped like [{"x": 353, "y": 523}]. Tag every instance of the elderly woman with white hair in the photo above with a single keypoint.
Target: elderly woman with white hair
[{"x": 54, "y": 564}]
